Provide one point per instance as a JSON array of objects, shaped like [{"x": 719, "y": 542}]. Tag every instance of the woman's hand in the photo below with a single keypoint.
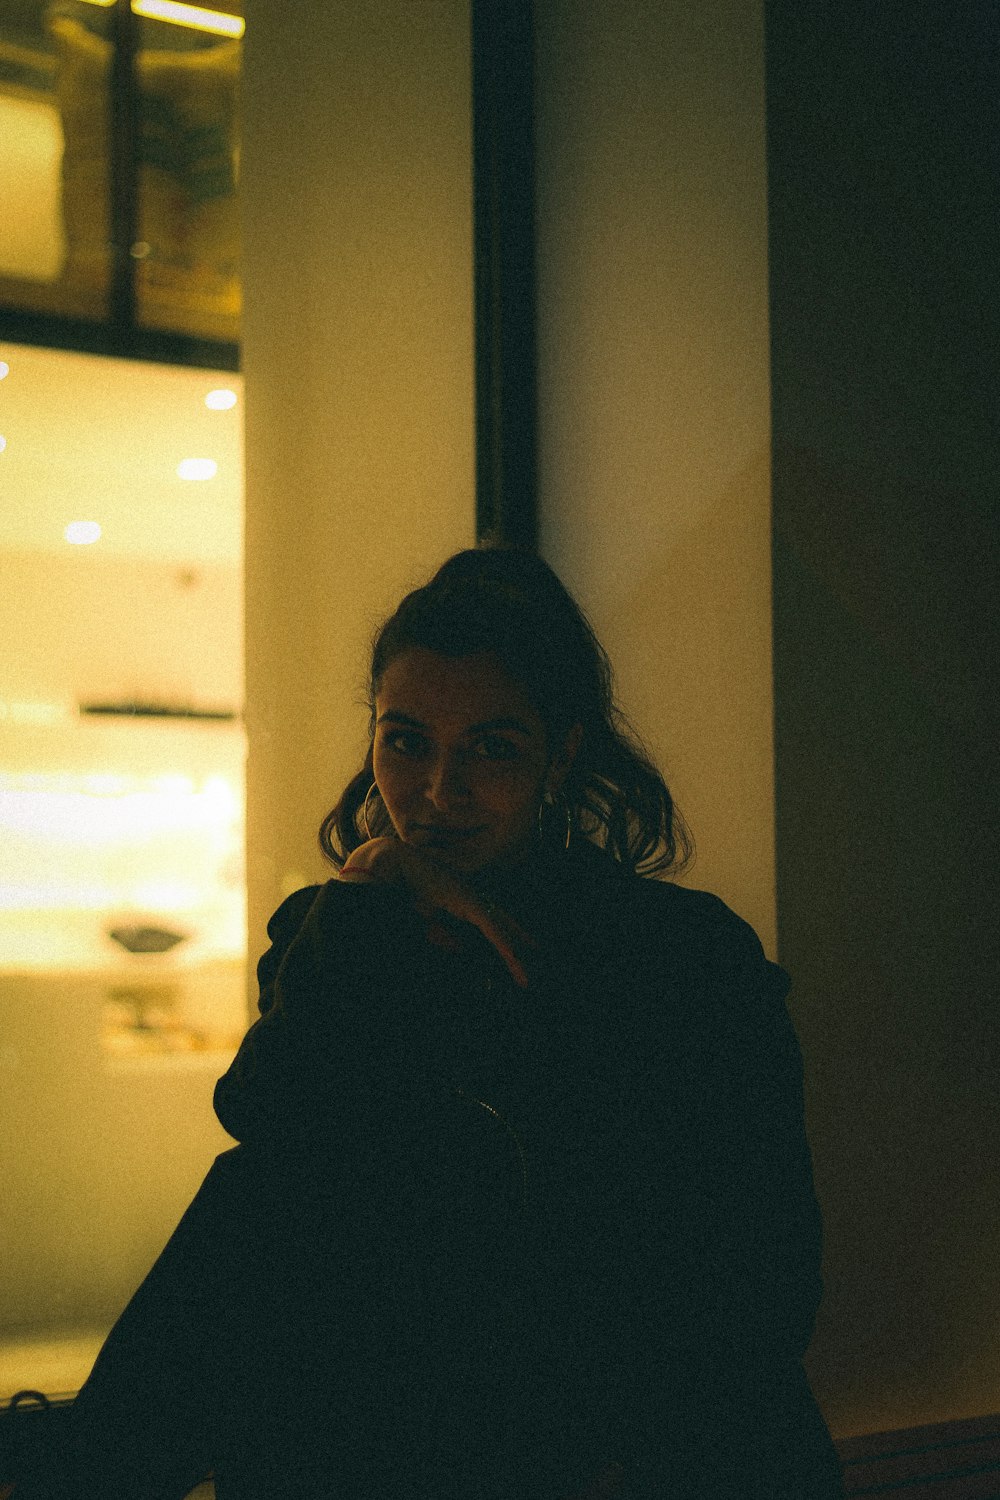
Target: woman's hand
[{"x": 435, "y": 889}]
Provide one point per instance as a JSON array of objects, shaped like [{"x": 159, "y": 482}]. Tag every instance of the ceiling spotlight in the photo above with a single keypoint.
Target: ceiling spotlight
[
  {"x": 197, "y": 468},
  {"x": 4, "y": 369},
  {"x": 82, "y": 533},
  {"x": 190, "y": 15},
  {"x": 221, "y": 400},
  {"x": 3, "y": 444}
]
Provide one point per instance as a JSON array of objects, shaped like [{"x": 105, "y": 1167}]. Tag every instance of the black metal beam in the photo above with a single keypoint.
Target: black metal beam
[
  {"x": 117, "y": 341},
  {"x": 123, "y": 166},
  {"x": 504, "y": 270}
]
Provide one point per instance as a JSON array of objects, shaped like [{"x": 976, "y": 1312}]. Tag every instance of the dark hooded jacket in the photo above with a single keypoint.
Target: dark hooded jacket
[
  {"x": 479, "y": 1242},
  {"x": 588, "y": 1204}
]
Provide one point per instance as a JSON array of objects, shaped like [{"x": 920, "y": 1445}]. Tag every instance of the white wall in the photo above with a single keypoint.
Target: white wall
[
  {"x": 654, "y": 392},
  {"x": 357, "y": 357}
]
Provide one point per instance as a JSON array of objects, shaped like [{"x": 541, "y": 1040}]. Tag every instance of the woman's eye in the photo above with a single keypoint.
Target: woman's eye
[
  {"x": 495, "y": 747},
  {"x": 405, "y": 742}
]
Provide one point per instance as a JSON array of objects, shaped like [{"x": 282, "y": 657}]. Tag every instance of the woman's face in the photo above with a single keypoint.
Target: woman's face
[{"x": 461, "y": 758}]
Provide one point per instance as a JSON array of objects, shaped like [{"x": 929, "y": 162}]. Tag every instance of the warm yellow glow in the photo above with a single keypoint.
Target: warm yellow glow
[
  {"x": 155, "y": 843},
  {"x": 220, "y": 400},
  {"x": 166, "y": 895},
  {"x": 82, "y": 533},
  {"x": 33, "y": 713},
  {"x": 197, "y": 468},
  {"x": 106, "y": 3},
  {"x": 215, "y": 21}
]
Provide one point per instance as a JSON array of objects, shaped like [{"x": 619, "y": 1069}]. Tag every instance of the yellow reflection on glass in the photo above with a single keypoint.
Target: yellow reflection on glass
[{"x": 215, "y": 21}]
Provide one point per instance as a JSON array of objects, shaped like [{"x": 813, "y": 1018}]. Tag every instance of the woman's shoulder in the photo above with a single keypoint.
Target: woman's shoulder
[
  {"x": 659, "y": 918},
  {"x": 292, "y": 912},
  {"x": 690, "y": 910},
  {"x": 674, "y": 907},
  {"x": 650, "y": 910}
]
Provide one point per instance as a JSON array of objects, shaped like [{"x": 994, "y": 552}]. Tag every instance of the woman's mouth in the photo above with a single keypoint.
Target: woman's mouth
[{"x": 436, "y": 836}]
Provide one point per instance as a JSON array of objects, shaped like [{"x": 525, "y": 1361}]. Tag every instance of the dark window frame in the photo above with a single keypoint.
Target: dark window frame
[{"x": 503, "y": 161}]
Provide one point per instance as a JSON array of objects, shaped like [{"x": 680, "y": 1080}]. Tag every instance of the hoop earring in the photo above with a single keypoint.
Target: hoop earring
[
  {"x": 563, "y": 801},
  {"x": 364, "y": 811}
]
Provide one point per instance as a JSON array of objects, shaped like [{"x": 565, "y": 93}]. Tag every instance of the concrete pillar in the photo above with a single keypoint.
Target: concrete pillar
[
  {"x": 654, "y": 392},
  {"x": 357, "y": 347}
]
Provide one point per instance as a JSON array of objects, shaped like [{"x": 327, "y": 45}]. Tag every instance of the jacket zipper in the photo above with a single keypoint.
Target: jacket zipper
[{"x": 513, "y": 1135}]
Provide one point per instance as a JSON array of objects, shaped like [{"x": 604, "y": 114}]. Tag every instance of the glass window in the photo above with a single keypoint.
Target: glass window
[
  {"x": 119, "y": 161},
  {"x": 122, "y": 907},
  {"x": 55, "y": 109},
  {"x": 187, "y": 247}
]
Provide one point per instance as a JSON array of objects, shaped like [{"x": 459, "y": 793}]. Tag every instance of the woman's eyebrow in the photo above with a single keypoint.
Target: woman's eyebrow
[
  {"x": 399, "y": 718},
  {"x": 487, "y": 726}
]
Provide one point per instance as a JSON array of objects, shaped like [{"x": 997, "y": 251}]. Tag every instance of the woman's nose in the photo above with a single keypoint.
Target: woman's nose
[{"x": 447, "y": 783}]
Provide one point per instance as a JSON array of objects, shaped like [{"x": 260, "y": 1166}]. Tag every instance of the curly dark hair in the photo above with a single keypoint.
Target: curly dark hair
[{"x": 511, "y": 604}]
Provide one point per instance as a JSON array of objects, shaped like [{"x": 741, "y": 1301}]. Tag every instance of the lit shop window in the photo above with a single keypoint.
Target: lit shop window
[
  {"x": 137, "y": 881},
  {"x": 119, "y": 162},
  {"x": 123, "y": 991}
]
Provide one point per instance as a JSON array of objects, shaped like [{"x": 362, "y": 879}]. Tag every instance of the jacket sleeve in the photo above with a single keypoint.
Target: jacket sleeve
[
  {"x": 732, "y": 1225},
  {"x": 728, "y": 1276},
  {"x": 333, "y": 991}
]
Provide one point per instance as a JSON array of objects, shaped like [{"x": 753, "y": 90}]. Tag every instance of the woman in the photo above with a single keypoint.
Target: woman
[{"x": 523, "y": 1205}]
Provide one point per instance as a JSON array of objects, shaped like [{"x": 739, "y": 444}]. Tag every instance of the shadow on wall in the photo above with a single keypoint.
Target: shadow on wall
[{"x": 887, "y": 898}]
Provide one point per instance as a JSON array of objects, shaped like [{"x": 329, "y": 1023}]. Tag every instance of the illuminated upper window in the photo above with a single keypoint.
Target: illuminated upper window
[{"x": 133, "y": 229}]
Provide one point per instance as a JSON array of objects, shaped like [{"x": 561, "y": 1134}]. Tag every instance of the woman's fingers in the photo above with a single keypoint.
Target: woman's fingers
[
  {"x": 440, "y": 890},
  {"x": 375, "y": 860},
  {"x": 505, "y": 935}
]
